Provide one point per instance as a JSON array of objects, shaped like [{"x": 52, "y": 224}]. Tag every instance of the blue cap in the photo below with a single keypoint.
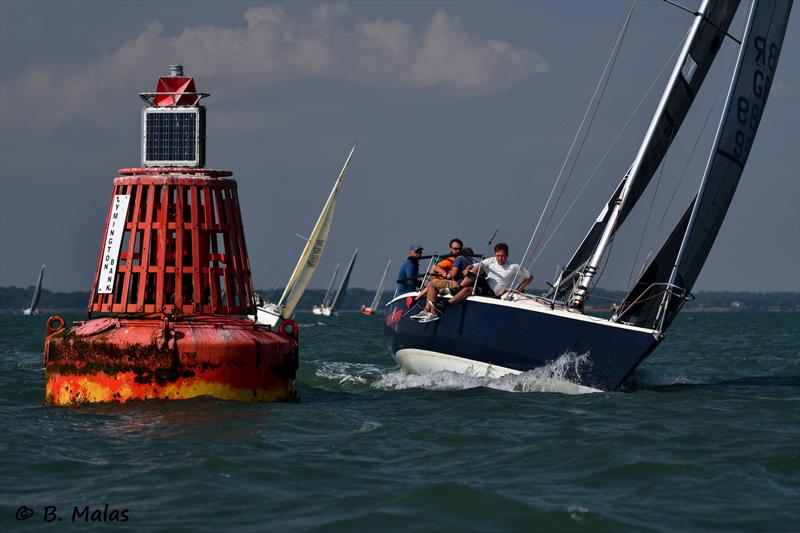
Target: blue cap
[{"x": 415, "y": 247}]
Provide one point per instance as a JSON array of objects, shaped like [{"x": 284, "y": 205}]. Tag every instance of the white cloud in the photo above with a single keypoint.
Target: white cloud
[
  {"x": 449, "y": 56},
  {"x": 272, "y": 48}
]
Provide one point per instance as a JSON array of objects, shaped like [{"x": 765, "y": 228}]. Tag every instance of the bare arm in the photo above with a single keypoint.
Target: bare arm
[
  {"x": 525, "y": 282},
  {"x": 521, "y": 286}
]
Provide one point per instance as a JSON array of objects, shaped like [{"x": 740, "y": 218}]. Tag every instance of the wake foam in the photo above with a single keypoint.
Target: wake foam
[
  {"x": 549, "y": 378},
  {"x": 553, "y": 377},
  {"x": 311, "y": 324},
  {"x": 348, "y": 373}
]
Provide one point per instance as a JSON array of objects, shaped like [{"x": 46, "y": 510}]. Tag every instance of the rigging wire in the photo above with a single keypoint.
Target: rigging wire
[
  {"x": 588, "y": 128},
  {"x": 695, "y": 13},
  {"x": 649, "y": 213},
  {"x": 675, "y": 189},
  {"x": 281, "y": 274},
  {"x": 611, "y": 147},
  {"x": 607, "y": 70},
  {"x": 723, "y": 88}
]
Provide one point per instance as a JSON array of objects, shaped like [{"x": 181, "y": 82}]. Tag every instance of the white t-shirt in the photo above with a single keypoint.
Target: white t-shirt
[{"x": 499, "y": 277}]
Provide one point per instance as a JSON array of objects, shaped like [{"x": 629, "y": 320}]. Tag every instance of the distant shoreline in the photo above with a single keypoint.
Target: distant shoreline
[{"x": 15, "y": 299}]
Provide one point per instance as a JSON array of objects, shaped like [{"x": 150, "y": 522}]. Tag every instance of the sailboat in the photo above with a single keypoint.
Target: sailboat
[
  {"x": 324, "y": 308},
  {"x": 32, "y": 309},
  {"x": 376, "y": 300},
  {"x": 340, "y": 293},
  {"x": 551, "y": 332},
  {"x": 270, "y": 314}
]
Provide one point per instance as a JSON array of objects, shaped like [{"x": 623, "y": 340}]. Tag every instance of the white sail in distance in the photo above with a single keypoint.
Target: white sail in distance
[
  {"x": 326, "y": 299},
  {"x": 36, "y": 293},
  {"x": 309, "y": 259},
  {"x": 376, "y": 300}
]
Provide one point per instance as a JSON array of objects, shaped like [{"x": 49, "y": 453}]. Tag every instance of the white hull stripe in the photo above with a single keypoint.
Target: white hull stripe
[{"x": 417, "y": 361}]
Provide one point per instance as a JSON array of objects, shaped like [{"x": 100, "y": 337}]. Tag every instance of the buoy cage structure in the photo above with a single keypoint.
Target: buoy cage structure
[{"x": 167, "y": 316}]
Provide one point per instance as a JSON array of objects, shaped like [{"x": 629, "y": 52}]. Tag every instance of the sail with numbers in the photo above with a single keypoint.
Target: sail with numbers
[{"x": 744, "y": 106}]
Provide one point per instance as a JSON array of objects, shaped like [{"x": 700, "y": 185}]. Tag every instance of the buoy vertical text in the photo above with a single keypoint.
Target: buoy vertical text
[{"x": 112, "y": 243}]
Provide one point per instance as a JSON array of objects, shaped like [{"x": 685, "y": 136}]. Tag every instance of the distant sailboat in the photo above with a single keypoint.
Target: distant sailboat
[
  {"x": 269, "y": 314},
  {"x": 324, "y": 307},
  {"x": 377, "y": 299},
  {"x": 343, "y": 285},
  {"x": 32, "y": 310}
]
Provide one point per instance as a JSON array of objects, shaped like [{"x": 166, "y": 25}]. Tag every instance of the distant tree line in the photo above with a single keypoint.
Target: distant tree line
[
  {"x": 718, "y": 300},
  {"x": 15, "y": 298}
]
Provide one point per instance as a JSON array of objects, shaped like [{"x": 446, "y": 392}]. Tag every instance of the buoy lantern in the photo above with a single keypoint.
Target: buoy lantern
[{"x": 167, "y": 311}]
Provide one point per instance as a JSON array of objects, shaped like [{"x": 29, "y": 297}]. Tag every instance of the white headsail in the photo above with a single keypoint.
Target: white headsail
[
  {"x": 36, "y": 293},
  {"x": 326, "y": 299},
  {"x": 309, "y": 259}
]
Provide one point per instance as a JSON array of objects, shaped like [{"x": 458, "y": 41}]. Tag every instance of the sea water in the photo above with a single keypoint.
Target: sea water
[{"x": 705, "y": 437}]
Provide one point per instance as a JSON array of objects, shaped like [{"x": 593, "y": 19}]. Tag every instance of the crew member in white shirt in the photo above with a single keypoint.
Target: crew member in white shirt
[{"x": 500, "y": 274}]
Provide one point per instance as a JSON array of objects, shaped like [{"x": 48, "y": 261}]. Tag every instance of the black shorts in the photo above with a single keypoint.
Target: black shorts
[{"x": 483, "y": 289}]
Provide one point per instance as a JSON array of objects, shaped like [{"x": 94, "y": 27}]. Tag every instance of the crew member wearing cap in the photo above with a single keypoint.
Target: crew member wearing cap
[{"x": 408, "y": 277}]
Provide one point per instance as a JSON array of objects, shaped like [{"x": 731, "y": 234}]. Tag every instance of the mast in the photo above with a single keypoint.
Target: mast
[
  {"x": 345, "y": 281},
  {"x": 330, "y": 286},
  {"x": 708, "y": 30},
  {"x": 309, "y": 259},
  {"x": 744, "y": 106},
  {"x": 377, "y": 297}
]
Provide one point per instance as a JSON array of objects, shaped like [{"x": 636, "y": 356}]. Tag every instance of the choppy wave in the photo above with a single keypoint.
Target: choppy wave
[
  {"x": 368, "y": 446},
  {"x": 645, "y": 378}
]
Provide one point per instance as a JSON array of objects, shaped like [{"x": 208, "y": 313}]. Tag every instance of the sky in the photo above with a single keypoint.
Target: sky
[{"x": 464, "y": 113}]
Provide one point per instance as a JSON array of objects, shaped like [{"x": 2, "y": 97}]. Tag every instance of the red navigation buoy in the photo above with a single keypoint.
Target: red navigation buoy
[{"x": 167, "y": 312}]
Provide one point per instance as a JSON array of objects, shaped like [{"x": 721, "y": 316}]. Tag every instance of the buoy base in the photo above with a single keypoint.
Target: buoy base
[{"x": 113, "y": 359}]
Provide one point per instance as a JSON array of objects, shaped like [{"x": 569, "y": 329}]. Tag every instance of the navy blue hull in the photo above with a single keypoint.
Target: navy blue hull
[{"x": 524, "y": 339}]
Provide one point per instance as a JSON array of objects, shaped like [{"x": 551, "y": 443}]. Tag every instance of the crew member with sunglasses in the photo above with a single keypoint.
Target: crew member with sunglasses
[{"x": 444, "y": 279}]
